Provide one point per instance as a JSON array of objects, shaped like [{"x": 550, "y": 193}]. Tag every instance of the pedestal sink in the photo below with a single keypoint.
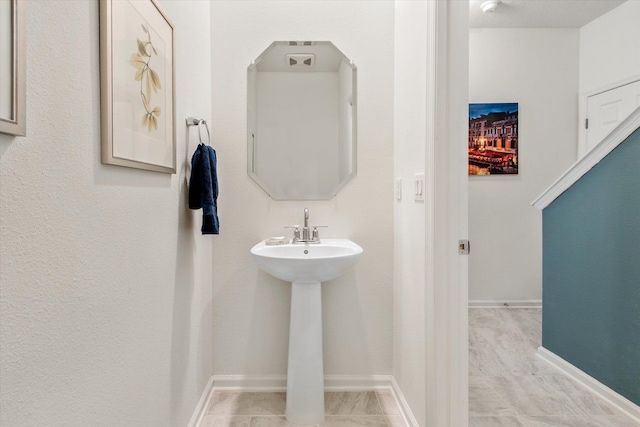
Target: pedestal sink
[{"x": 306, "y": 266}]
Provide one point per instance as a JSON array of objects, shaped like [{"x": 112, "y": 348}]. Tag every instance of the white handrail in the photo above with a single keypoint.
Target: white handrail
[{"x": 592, "y": 158}]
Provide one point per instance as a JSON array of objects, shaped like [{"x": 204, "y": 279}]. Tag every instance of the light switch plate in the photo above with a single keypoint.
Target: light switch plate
[
  {"x": 398, "y": 189},
  {"x": 419, "y": 187}
]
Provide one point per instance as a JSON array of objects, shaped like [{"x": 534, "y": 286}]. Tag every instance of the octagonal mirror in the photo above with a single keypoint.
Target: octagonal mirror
[{"x": 301, "y": 120}]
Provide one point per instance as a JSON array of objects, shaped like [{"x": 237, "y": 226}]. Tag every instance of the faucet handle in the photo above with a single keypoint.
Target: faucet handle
[
  {"x": 296, "y": 232},
  {"x": 315, "y": 236}
]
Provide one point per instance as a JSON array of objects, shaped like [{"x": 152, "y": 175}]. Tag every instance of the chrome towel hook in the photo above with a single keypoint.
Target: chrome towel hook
[{"x": 194, "y": 121}]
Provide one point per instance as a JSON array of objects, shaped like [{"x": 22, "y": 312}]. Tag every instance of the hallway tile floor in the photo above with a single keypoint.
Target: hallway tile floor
[
  {"x": 510, "y": 387},
  {"x": 343, "y": 409}
]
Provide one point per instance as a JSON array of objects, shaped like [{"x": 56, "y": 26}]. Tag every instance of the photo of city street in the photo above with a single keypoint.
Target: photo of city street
[{"x": 493, "y": 139}]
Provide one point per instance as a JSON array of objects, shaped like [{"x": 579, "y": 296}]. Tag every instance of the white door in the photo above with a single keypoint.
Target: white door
[{"x": 606, "y": 110}]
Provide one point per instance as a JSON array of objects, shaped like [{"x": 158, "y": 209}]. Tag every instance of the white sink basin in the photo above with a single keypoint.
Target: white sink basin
[
  {"x": 304, "y": 262},
  {"x": 306, "y": 265}
]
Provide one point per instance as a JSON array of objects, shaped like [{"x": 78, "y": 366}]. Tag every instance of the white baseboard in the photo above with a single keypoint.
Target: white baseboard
[
  {"x": 357, "y": 383},
  {"x": 623, "y": 404},
  {"x": 250, "y": 382},
  {"x": 535, "y": 303},
  {"x": 405, "y": 411},
  {"x": 202, "y": 405},
  {"x": 279, "y": 383}
]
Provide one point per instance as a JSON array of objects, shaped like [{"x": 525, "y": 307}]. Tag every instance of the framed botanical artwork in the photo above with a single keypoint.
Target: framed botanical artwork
[
  {"x": 13, "y": 51},
  {"x": 137, "y": 76},
  {"x": 493, "y": 139}
]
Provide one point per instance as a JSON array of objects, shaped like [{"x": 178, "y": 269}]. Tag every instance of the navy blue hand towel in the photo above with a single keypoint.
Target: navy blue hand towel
[{"x": 203, "y": 188}]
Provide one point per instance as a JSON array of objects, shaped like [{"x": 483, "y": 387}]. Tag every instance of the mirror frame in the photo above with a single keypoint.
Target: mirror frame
[
  {"x": 354, "y": 130},
  {"x": 16, "y": 124}
]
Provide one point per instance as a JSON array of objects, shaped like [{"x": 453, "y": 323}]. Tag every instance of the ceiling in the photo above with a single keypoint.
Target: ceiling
[{"x": 540, "y": 13}]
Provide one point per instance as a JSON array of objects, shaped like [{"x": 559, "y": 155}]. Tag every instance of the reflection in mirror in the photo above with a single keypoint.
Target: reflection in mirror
[{"x": 301, "y": 123}]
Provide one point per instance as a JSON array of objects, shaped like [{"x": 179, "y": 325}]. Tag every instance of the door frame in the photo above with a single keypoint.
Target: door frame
[
  {"x": 446, "y": 278},
  {"x": 582, "y": 110}
]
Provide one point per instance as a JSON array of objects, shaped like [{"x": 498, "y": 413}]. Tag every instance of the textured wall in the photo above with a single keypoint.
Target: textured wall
[
  {"x": 105, "y": 306},
  {"x": 591, "y": 315},
  {"x": 537, "y": 68},
  {"x": 251, "y": 309},
  {"x": 612, "y": 39}
]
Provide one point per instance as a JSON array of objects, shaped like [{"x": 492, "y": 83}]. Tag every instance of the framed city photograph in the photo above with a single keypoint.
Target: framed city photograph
[
  {"x": 13, "y": 53},
  {"x": 493, "y": 139},
  {"x": 137, "y": 76}
]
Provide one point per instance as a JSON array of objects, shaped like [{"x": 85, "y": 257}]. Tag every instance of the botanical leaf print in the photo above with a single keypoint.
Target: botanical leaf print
[{"x": 148, "y": 78}]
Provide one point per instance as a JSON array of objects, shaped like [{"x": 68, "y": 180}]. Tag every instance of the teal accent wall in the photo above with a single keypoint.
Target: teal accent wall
[{"x": 591, "y": 272}]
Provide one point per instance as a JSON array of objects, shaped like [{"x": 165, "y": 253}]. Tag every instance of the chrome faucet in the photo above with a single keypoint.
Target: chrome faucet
[
  {"x": 305, "y": 229},
  {"x": 307, "y": 235}
]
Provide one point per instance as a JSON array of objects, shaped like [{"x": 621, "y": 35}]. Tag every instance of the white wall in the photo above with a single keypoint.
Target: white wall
[
  {"x": 105, "y": 281},
  {"x": 251, "y": 309},
  {"x": 610, "y": 47},
  {"x": 538, "y": 69},
  {"x": 410, "y": 115}
]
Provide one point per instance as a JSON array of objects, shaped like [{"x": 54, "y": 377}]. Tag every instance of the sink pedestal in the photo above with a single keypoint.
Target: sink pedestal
[
  {"x": 306, "y": 266},
  {"x": 305, "y": 376}
]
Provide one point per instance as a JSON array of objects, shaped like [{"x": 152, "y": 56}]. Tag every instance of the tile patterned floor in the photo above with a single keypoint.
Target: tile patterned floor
[
  {"x": 343, "y": 409},
  {"x": 509, "y": 387}
]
